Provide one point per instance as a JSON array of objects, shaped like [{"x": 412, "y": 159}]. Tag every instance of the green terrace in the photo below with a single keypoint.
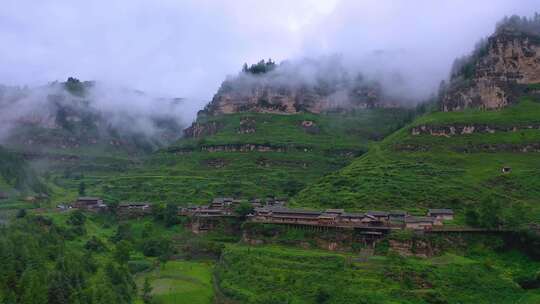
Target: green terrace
[
  {"x": 458, "y": 171},
  {"x": 292, "y": 156},
  {"x": 527, "y": 111},
  {"x": 271, "y": 274},
  {"x": 331, "y": 131}
]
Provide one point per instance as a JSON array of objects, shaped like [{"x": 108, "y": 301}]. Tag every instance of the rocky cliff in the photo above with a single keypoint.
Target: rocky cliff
[
  {"x": 499, "y": 71},
  {"x": 286, "y": 90},
  {"x": 270, "y": 98},
  {"x": 311, "y": 86}
]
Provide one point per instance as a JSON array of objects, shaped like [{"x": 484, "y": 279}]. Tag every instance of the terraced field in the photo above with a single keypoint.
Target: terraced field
[
  {"x": 283, "y": 275},
  {"x": 426, "y": 165},
  {"x": 180, "y": 282},
  {"x": 249, "y": 155}
]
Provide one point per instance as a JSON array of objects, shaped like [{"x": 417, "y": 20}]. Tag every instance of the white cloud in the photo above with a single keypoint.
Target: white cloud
[{"x": 185, "y": 48}]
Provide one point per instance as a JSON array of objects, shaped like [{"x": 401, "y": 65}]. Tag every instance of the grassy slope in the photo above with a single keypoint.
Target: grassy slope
[
  {"x": 437, "y": 175},
  {"x": 283, "y": 275},
  {"x": 180, "y": 282},
  {"x": 15, "y": 174},
  {"x": 173, "y": 282},
  {"x": 191, "y": 177},
  {"x": 65, "y": 157}
]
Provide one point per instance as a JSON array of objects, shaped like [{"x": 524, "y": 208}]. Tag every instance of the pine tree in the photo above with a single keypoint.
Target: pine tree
[
  {"x": 147, "y": 291},
  {"x": 82, "y": 188}
]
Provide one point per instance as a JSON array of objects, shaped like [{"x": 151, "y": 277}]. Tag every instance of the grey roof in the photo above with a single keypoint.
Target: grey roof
[
  {"x": 328, "y": 215},
  {"x": 295, "y": 211},
  {"x": 398, "y": 212},
  {"x": 87, "y": 198},
  {"x": 418, "y": 219},
  {"x": 334, "y": 211},
  {"x": 348, "y": 214},
  {"x": 208, "y": 211},
  {"x": 377, "y": 213},
  {"x": 441, "y": 211},
  {"x": 134, "y": 204}
]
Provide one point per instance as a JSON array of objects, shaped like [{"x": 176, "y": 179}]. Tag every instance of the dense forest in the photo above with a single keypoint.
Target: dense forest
[
  {"x": 38, "y": 266},
  {"x": 17, "y": 174}
]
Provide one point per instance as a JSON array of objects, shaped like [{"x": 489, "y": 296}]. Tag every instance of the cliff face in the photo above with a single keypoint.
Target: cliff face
[
  {"x": 279, "y": 94},
  {"x": 507, "y": 64},
  {"x": 268, "y": 98}
]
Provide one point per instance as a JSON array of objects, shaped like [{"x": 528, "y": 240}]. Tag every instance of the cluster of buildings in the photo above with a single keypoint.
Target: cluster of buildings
[
  {"x": 96, "y": 204},
  {"x": 226, "y": 206},
  {"x": 340, "y": 218},
  {"x": 274, "y": 211}
]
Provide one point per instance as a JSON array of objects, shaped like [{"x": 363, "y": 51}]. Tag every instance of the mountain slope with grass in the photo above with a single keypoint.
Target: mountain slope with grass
[
  {"x": 252, "y": 155},
  {"x": 483, "y": 148},
  {"x": 269, "y": 131},
  {"x": 445, "y": 159},
  {"x": 81, "y": 125},
  {"x": 16, "y": 176},
  {"x": 479, "y": 274}
]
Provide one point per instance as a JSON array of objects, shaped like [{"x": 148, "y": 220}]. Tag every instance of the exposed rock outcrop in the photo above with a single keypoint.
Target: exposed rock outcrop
[
  {"x": 418, "y": 248},
  {"x": 463, "y": 129},
  {"x": 265, "y": 97},
  {"x": 513, "y": 148},
  {"x": 253, "y": 147},
  {"x": 198, "y": 130},
  {"x": 498, "y": 74},
  {"x": 310, "y": 127},
  {"x": 247, "y": 126}
]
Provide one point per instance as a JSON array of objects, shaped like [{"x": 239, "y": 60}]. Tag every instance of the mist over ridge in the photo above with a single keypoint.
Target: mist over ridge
[
  {"x": 92, "y": 110},
  {"x": 186, "y": 49}
]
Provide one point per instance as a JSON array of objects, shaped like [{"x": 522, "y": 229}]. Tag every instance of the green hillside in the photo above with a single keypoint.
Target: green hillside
[
  {"x": 268, "y": 274},
  {"x": 15, "y": 174},
  {"x": 278, "y": 155},
  {"x": 420, "y": 171}
]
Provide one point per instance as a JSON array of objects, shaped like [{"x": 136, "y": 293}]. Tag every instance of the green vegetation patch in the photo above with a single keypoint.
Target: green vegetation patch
[
  {"x": 416, "y": 172},
  {"x": 180, "y": 282},
  {"x": 282, "y": 275},
  {"x": 248, "y": 155}
]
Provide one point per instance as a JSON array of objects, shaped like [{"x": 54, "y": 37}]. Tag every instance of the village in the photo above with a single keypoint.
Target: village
[{"x": 275, "y": 211}]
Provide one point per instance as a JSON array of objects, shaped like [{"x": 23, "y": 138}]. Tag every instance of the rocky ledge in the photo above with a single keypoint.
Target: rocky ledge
[{"x": 463, "y": 129}]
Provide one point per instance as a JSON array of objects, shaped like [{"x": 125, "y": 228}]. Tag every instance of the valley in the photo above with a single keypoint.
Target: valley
[{"x": 304, "y": 181}]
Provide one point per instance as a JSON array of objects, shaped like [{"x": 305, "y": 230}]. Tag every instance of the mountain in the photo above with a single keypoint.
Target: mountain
[
  {"x": 310, "y": 85},
  {"x": 67, "y": 129},
  {"x": 499, "y": 71},
  {"x": 443, "y": 159},
  {"x": 262, "y": 136},
  {"x": 254, "y": 155},
  {"x": 453, "y": 159}
]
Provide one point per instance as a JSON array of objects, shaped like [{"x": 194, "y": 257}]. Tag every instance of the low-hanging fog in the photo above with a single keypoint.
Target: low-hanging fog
[
  {"x": 105, "y": 108},
  {"x": 186, "y": 48}
]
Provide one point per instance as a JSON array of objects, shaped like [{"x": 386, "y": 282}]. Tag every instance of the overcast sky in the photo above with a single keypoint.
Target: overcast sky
[{"x": 186, "y": 48}]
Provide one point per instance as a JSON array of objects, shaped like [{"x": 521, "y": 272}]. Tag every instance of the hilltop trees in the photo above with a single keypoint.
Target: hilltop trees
[
  {"x": 530, "y": 26},
  {"x": 75, "y": 86},
  {"x": 260, "y": 68}
]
